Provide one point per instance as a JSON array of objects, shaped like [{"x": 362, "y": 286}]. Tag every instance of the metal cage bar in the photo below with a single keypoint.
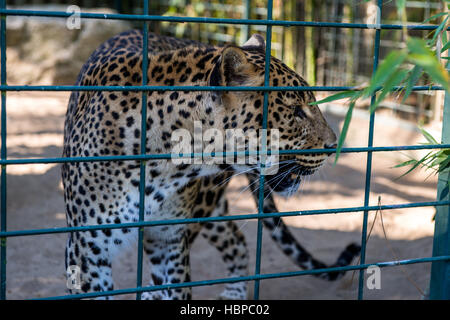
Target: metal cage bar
[
  {"x": 369, "y": 160},
  {"x": 143, "y": 150},
  {"x": 3, "y": 154},
  {"x": 19, "y": 233},
  {"x": 248, "y": 278},
  {"x": 440, "y": 271},
  {"x": 439, "y": 286},
  {"x": 192, "y": 88},
  {"x": 264, "y": 150},
  {"x": 262, "y": 22}
]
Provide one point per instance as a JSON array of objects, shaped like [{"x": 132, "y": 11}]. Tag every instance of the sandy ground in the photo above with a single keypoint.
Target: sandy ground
[{"x": 35, "y": 265}]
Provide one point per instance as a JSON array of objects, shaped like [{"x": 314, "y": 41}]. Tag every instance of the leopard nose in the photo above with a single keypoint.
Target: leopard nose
[{"x": 330, "y": 145}]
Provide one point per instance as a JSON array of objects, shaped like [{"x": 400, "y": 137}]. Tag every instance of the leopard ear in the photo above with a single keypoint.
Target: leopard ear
[
  {"x": 256, "y": 42},
  {"x": 235, "y": 67}
]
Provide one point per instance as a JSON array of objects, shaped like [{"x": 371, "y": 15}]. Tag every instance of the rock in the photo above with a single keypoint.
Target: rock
[{"x": 44, "y": 51}]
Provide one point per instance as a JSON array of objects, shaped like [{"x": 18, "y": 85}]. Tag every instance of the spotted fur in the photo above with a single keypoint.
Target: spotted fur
[{"x": 109, "y": 123}]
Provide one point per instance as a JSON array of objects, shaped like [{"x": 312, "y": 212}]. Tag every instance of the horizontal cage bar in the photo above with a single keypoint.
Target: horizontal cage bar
[
  {"x": 4, "y": 162},
  {"x": 221, "y": 218},
  {"x": 167, "y": 156},
  {"x": 262, "y": 22},
  {"x": 198, "y": 88},
  {"x": 250, "y": 278}
]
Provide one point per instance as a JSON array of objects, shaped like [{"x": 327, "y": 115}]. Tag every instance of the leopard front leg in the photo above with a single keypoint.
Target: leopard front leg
[
  {"x": 225, "y": 236},
  {"x": 88, "y": 264},
  {"x": 169, "y": 262}
]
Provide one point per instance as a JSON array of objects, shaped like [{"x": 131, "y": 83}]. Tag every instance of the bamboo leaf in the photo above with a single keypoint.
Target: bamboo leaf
[
  {"x": 413, "y": 78},
  {"x": 423, "y": 56},
  {"x": 401, "y": 5},
  {"x": 444, "y": 165},
  {"x": 337, "y": 96},
  {"x": 406, "y": 163},
  {"x": 394, "y": 80},
  {"x": 439, "y": 29},
  {"x": 348, "y": 119},
  {"x": 428, "y": 136},
  {"x": 433, "y": 17},
  {"x": 385, "y": 70},
  {"x": 432, "y": 66},
  {"x": 446, "y": 46},
  {"x": 418, "y": 46},
  {"x": 418, "y": 163},
  {"x": 444, "y": 38}
]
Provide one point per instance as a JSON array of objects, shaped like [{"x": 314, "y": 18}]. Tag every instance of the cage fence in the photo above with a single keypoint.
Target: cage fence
[
  {"x": 323, "y": 55},
  {"x": 292, "y": 35}
]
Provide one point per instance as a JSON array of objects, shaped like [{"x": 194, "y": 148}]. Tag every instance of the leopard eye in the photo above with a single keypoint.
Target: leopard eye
[{"x": 298, "y": 112}]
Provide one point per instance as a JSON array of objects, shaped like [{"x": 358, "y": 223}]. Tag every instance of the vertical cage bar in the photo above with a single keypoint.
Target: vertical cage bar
[
  {"x": 246, "y": 28},
  {"x": 143, "y": 150},
  {"x": 263, "y": 149},
  {"x": 3, "y": 153},
  {"x": 440, "y": 271},
  {"x": 369, "y": 160},
  {"x": 118, "y": 5}
]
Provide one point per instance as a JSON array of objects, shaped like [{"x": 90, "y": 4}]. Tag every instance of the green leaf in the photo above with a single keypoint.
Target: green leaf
[
  {"x": 439, "y": 29},
  {"x": 385, "y": 70},
  {"x": 444, "y": 38},
  {"x": 415, "y": 165},
  {"x": 347, "y": 120},
  {"x": 433, "y": 17},
  {"x": 401, "y": 5},
  {"x": 423, "y": 56},
  {"x": 406, "y": 163},
  {"x": 418, "y": 46},
  {"x": 338, "y": 96},
  {"x": 394, "y": 80},
  {"x": 424, "y": 60},
  {"x": 444, "y": 165},
  {"x": 446, "y": 46},
  {"x": 413, "y": 78},
  {"x": 428, "y": 136},
  {"x": 432, "y": 66}
]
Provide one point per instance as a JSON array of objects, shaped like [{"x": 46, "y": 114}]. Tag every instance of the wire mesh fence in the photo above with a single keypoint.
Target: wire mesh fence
[{"x": 247, "y": 18}]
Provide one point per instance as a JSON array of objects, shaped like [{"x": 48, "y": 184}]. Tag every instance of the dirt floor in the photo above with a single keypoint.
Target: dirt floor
[{"x": 35, "y": 265}]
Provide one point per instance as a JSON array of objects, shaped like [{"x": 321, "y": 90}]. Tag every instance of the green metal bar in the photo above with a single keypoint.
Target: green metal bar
[
  {"x": 34, "y": 232},
  {"x": 162, "y": 156},
  {"x": 264, "y": 150},
  {"x": 143, "y": 151},
  {"x": 440, "y": 271},
  {"x": 193, "y": 88},
  {"x": 118, "y": 6},
  {"x": 369, "y": 161},
  {"x": 263, "y": 22},
  {"x": 3, "y": 154},
  {"x": 249, "y": 278},
  {"x": 440, "y": 279},
  {"x": 246, "y": 28}
]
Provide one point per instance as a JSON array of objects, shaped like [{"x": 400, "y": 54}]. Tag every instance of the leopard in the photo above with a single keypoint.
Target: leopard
[{"x": 108, "y": 123}]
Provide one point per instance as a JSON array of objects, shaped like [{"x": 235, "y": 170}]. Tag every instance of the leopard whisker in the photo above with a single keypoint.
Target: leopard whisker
[{"x": 250, "y": 185}]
